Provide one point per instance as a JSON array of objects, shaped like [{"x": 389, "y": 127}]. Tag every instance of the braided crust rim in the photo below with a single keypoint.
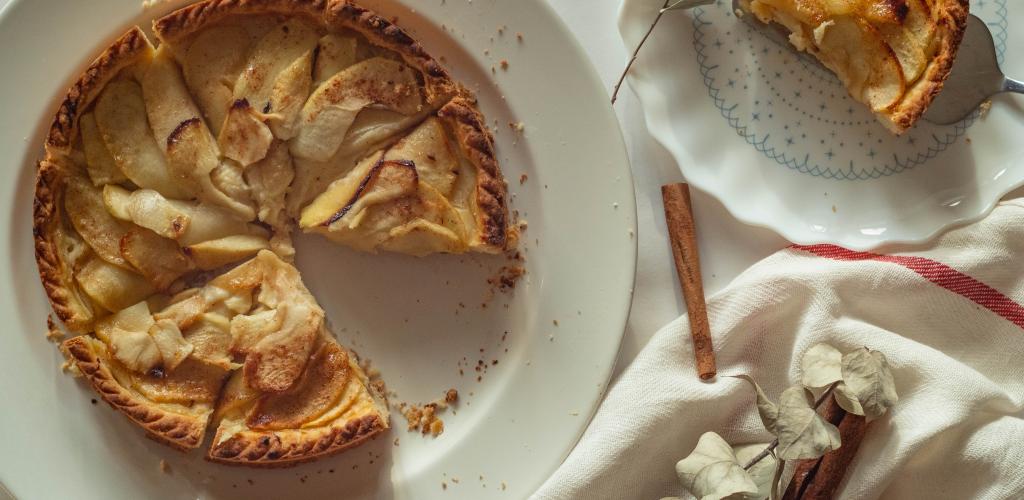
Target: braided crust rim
[
  {"x": 337, "y": 14},
  {"x": 952, "y": 22},
  {"x": 183, "y": 432},
  {"x": 292, "y": 447},
  {"x": 120, "y": 54},
  {"x": 55, "y": 274},
  {"x": 48, "y": 204},
  {"x": 477, "y": 145}
]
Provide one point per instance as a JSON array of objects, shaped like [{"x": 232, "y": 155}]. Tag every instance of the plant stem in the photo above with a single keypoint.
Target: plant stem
[
  {"x": 775, "y": 443},
  {"x": 632, "y": 59},
  {"x": 665, "y": 7}
]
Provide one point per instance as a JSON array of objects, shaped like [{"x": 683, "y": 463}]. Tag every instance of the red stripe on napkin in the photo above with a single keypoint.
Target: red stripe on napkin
[{"x": 936, "y": 272}]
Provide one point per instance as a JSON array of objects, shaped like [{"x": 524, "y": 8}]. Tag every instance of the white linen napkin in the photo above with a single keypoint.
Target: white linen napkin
[{"x": 948, "y": 316}]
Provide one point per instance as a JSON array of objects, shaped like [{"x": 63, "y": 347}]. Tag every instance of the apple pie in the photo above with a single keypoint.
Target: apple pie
[
  {"x": 892, "y": 55},
  {"x": 173, "y": 177}
]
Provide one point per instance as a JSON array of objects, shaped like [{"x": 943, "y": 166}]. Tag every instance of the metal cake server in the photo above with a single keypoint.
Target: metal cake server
[{"x": 975, "y": 77}]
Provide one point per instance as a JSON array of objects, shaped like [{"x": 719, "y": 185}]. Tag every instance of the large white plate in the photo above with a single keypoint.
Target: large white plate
[
  {"x": 782, "y": 145},
  {"x": 511, "y": 429}
]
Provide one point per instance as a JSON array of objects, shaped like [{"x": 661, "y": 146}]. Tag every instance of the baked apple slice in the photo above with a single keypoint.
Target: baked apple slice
[{"x": 121, "y": 118}]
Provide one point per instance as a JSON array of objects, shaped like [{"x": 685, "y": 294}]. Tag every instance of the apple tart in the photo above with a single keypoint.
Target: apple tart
[
  {"x": 892, "y": 55},
  {"x": 173, "y": 177}
]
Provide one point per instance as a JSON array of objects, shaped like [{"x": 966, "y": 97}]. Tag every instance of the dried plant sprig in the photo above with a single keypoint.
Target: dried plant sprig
[
  {"x": 667, "y": 6},
  {"x": 860, "y": 381}
]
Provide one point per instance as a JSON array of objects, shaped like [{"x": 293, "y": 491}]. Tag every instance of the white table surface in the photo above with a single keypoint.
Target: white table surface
[{"x": 727, "y": 246}]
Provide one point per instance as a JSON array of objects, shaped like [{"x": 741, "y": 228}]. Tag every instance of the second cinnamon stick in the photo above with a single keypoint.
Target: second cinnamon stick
[{"x": 819, "y": 479}]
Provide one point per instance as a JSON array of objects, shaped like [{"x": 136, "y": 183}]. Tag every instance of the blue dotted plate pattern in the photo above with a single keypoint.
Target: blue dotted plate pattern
[{"x": 801, "y": 116}]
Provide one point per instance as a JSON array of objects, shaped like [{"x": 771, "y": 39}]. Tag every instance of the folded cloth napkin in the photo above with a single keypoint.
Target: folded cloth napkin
[{"x": 948, "y": 316}]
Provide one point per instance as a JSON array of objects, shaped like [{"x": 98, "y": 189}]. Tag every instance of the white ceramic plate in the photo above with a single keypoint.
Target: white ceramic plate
[
  {"x": 782, "y": 145},
  {"x": 418, "y": 320}
]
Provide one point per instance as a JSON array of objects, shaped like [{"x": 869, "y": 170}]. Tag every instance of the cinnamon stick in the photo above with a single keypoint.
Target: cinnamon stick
[
  {"x": 818, "y": 479},
  {"x": 682, "y": 233}
]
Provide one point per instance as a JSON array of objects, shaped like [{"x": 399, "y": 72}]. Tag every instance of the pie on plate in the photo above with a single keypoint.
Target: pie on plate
[
  {"x": 892, "y": 55},
  {"x": 173, "y": 177}
]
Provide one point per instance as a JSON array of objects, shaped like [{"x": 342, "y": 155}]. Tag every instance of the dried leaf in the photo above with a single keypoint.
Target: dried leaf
[
  {"x": 867, "y": 378},
  {"x": 763, "y": 472},
  {"x": 821, "y": 365},
  {"x": 802, "y": 432},
  {"x": 712, "y": 472},
  {"x": 847, "y": 400},
  {"x": 768, "y": 411}
]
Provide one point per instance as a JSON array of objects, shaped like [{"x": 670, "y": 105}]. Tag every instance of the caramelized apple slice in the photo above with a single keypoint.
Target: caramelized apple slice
[
  {"x": 111, "y": 287},
  {"x": 211, "y": 340},
  {"x": 236, "y": 399},
  {"x": 193, "y": 381},
  {"x": 213, "y": 61},
  {"x": 911, "y": 39},
  {"x": 858, "y": 54},
  {"x": 271, "y": 81},
  {"x": 334, "y": 105},
  {"x": 277, "y": 360},
  {"x": 99, "y": 164},
  {"x": 188, "y": 222},
  {"x": 333, "y": 54},
  {"x": 171, "y": 344},
  {"x": 321, "y": 387},
  {"x": 427, "y": 146},
  {"x": 269, "y": 180},
  {"x": 146, "y": 208},
  {"x": 248, "y": 329},
  {"x": 422, "y": 237},
  {"x": 159, "y": 259},
  {"x": 214, "y": 254},
  {"x": 337, "y": 200},
  {"x": 88, "y": 214},
  {"x": 244, "y": 138},
  {"x": 126, "y": 333},
  {"x": 191, "y": 150},
  {"x": 212, "y": 223},
  {"x": 120, "y": 115},
  {"x": 290, "y": 91}
]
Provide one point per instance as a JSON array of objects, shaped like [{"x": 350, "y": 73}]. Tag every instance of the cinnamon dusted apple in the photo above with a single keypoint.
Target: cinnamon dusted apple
[
  {"x": 172, "y": 180},
  {"x": 892, "y": 55}
]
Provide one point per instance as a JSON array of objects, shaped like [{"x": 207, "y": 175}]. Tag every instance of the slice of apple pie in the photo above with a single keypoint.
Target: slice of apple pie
[
  {"x": 174, "y": 175},
  {"x": 892, "y": 55}
]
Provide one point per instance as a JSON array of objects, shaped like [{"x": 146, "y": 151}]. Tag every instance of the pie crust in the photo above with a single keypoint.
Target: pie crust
[
  {"x": 184, "y": 282},
  {"x": 889, "y": 23}
]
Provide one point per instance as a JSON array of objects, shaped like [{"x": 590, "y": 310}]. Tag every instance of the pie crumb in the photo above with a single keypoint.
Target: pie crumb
[
  {"x": 504, "y": 64},
  {"x": 519, "y": 36},
  {"x": 985, "y": 107},
  {"x": 506, "y": 278},
  {"x": 53, "y": 333},
  {"x": 165, "y": 467},
  {"x": 424, "y": 418},
  {"x": 503, "y": 486},
  {"x": 70, "y": 368},
  {"x": 522, "y": 179}
]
